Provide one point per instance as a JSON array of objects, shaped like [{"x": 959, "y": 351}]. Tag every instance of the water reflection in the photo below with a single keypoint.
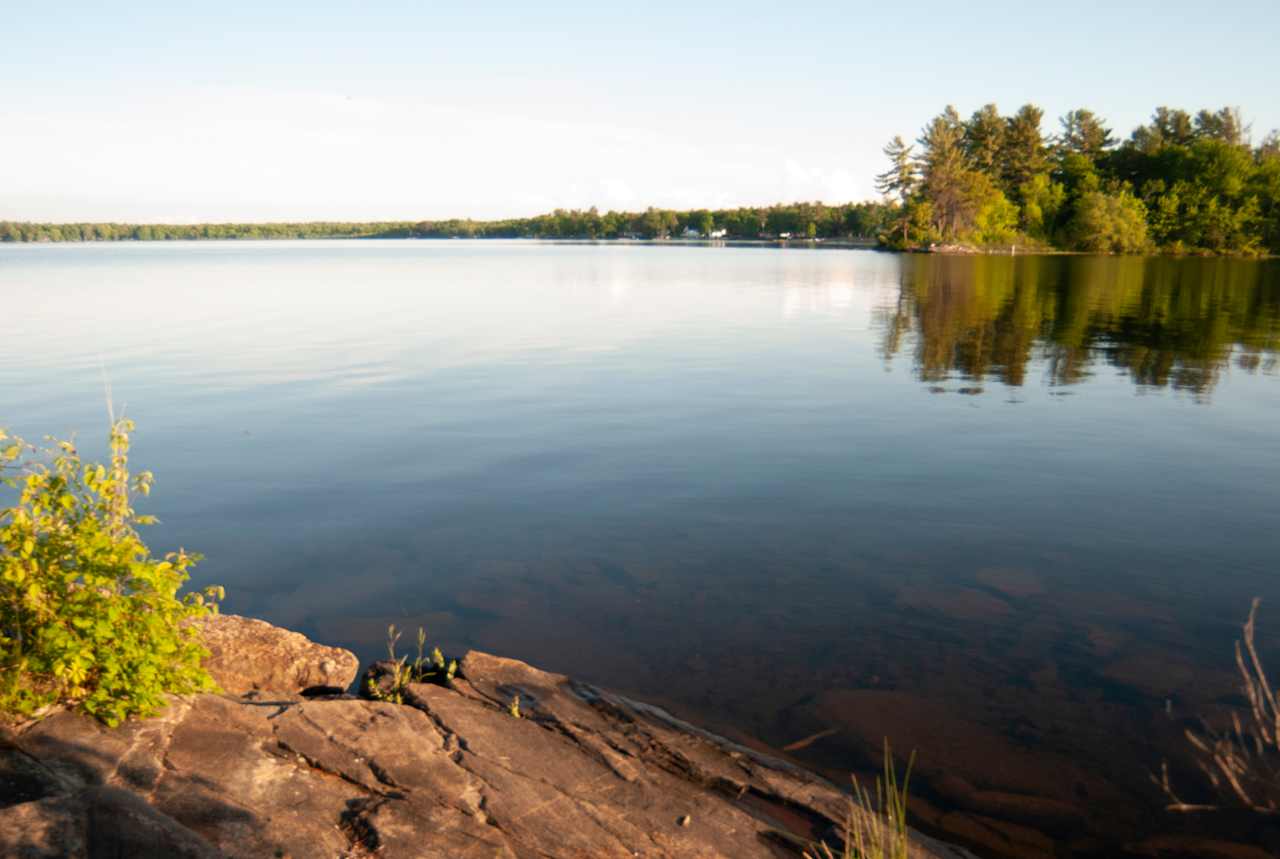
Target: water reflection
[
  {"x": 1167, "y": 323},
  {"x": 714, "y": 478}
]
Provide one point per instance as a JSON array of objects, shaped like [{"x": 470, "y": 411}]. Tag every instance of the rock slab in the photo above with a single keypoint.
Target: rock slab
[{"x": 449, "y": 773}]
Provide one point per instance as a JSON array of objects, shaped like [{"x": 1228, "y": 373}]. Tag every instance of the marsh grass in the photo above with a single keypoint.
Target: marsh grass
[{"x": 875, "y": 826}]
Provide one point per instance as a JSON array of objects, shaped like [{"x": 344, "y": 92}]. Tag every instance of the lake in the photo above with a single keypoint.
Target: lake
[{"x": 1007, "y": 512}]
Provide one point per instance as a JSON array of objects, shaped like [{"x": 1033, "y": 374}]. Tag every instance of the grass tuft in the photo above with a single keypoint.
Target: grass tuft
[{"x": 876, "y": 824}]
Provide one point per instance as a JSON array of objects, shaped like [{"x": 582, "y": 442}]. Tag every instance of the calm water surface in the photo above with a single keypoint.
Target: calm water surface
[{"x": 1007, "y": 512}]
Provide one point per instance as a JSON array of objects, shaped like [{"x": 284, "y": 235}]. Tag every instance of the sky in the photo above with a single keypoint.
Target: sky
[{"x": 172, "y": 112}]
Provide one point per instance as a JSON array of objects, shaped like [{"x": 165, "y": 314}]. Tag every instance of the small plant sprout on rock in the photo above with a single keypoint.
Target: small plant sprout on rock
[{"x": 432, "y": 668}]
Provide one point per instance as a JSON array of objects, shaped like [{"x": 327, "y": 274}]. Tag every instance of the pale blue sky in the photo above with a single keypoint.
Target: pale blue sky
[{"x": 390, "y": 110}]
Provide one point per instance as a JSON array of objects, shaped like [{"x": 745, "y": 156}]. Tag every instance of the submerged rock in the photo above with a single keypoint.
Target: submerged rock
[{"x": 583, "y": 773}]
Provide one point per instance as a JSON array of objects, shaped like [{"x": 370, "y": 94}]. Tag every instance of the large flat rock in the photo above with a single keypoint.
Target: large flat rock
[{"x": 450, "y": 773}]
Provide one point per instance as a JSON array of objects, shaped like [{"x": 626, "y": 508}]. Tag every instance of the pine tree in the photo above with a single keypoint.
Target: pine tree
[
  {"x": 944, "y": 169},
  {"x": 1084, "y": 134},
  {"x": 1025, "y": 153},
  {"x": 901, "y": 178},
  {"x": 1225, "y": 125},
  {"x": 984, "y": 138}
]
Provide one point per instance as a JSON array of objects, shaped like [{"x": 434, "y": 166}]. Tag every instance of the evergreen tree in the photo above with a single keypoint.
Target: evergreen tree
[
  {"x": 1024, "y": 154},
  {"x": 1224, "y": 125},
  {"x": 984, "y": 139},
  {"x": 1270, "y": 146},
  {"x": 1168, "y": 128},
  {"x": 901, "y": 178},
  {"x": 1084, "y": 134},
  {"x": 944, "y": 169}
]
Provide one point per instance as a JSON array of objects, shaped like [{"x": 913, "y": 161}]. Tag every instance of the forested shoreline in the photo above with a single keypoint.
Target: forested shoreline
[
  {"x": 1182, "y": 183},
  {"x": 1179, "y": 184},
  {"x": 796, "y": 220}
]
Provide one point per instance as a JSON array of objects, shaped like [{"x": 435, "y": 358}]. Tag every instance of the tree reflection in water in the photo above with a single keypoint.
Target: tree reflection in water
[{"x": 1167, "y": 323}]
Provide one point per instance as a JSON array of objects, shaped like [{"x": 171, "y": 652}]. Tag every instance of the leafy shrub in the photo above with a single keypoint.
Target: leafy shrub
[
  {"x": 1109, "y": 223},
  {"x": 87, "y": 617},
  {"x": 996, "y": 223},
  {"x": 1042, "y": 202}
]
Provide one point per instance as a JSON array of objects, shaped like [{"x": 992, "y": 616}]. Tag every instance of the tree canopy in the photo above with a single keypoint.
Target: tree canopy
[{"x": 1181, "y": 183}]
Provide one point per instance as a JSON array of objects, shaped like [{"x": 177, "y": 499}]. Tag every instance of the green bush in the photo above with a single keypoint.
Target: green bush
[
  {"x": 996, "y": 223},
  {"x": 87, "y": 617},
  {"x": 1110, "y": 223}
]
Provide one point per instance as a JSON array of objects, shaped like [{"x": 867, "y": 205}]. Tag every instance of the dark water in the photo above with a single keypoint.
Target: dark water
[{"x": 1006, "y": 512}]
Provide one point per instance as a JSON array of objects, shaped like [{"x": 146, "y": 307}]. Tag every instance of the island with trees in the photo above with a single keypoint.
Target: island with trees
[{"x": 1181, "y": 183}]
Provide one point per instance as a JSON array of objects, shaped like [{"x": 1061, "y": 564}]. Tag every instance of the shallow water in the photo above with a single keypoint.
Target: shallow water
[{"x": 1007, "y": 512}]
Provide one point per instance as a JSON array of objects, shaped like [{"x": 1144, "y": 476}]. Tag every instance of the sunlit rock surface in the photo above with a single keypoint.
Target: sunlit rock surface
[
  {"x": 248, "y": 654},
  {"x": 449, "y": 773}
]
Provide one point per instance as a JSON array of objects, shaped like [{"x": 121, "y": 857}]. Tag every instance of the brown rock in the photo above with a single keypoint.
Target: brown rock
[
  {"x": 1041, "y": 812},
  {"x": 954, "y": 601},
  {"x": 1011, "y": 581},
  {"x": 96, "y": 823},
  {"x": 1000, "y": 837},
  {"x": 22, "y": 777},
  {"x": 584, "y": 773},
  {"x": 654, "y": 767},
  {"x": 955, "y": 753},
  {"x": 248, "y": 655},
  {"x": 1183, "y": 847}
]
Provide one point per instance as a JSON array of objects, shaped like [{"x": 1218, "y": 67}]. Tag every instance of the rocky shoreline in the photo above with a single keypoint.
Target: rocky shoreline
[{"x": 285, "y": 763}]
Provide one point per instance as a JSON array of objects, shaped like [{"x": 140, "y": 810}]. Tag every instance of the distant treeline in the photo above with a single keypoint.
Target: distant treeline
[
  {"x": 1182, "y": 183},
  {"x": 797, "y": 220}
]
